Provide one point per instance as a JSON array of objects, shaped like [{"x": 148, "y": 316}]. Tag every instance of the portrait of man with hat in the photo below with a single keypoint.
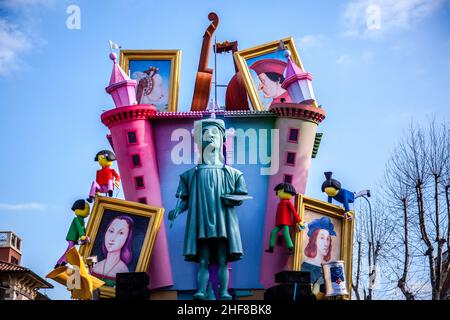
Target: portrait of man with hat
[
  {"x": 319, "y": 248},
  {"x": 270, "y": 73}
]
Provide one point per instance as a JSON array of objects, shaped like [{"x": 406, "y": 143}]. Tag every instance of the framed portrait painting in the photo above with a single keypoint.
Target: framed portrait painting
[
  {"x": 157, "y": 73},
  {"x": 328, "y": 237},
  {"x": 122, "y": 235},
  {"x": 263, "y": 70}
]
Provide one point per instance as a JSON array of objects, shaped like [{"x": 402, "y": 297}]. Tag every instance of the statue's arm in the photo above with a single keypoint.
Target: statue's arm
[
  {"x": 182, "y": 199},
  {"x": 240, "y": 187}
]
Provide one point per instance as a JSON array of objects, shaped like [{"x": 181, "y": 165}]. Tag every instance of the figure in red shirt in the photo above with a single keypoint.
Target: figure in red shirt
[
  {"x": 286, "y": 216},
  {"x": 106, "y": 178}
]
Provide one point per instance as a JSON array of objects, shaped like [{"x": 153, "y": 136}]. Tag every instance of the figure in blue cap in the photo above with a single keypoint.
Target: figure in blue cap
[
  {"x": 333, "y": 189},
  {"x": 209, "y": 192},
  {"x": 319, "y": 249}
]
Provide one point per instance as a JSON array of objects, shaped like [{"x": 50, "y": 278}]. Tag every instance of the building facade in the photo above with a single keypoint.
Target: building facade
[{"x": 16, "y": 281}]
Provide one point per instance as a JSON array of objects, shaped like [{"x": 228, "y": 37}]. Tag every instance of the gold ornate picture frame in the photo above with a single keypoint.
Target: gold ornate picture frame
[
  {"x": 310, "y": 209},
  {"x": 157, "y": 73},
  {"x": 145, "y": 223},
  {"x": 271, "y": 50}
]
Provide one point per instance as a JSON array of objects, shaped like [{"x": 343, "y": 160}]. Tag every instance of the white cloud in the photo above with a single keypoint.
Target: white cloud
[
  {"x": 311, "y": 40},
  {"x": 21, "y": 206},
  {"x": 344, "y": 59},
  {"x": 376, "y": 18},
  {"x": 25, "y": 4},
  {"x": 367, "y": 56},
  {"x": 13, "y": 42},
  {"x": 347, "y": 59},
  {"x": 18, "y": 31}
]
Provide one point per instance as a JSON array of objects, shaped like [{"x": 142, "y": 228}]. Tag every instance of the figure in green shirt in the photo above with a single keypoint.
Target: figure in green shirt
[
  {"x": 209, "y": 192},
  {"x": 77, "y": 231}
]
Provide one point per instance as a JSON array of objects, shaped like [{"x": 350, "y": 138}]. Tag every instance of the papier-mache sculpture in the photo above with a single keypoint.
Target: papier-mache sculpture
[
  {"x": 77, "y": 230},
  {"x": 76, "y": 277},
  {"x": 286, "y": 216},
  {"x": 333, "y": 189},
  {"x": 106, "y": 178},
  {"x": 209, "y": 192}
]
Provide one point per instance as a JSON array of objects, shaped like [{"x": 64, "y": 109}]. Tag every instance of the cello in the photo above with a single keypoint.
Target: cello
[{"x": 204, "y": 73}]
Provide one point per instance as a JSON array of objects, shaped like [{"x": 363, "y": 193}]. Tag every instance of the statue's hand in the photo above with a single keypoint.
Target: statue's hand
[{"x": 173, "y": 214}]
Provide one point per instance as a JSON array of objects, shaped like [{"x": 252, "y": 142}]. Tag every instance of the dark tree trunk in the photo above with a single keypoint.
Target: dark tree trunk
[
  {"x": 439, "y": 241},
  {"x": 369, "y": 290},
  {"x": 358, "y": 273},
  {"x": 445, "y": 294},
  {"x": 426, "y": 239},
  {"x": 402, "y": 281}
]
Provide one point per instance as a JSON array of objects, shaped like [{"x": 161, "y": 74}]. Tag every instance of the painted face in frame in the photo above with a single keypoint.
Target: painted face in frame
[
  {"x": 268, "y": 87},
  {"x": 116, "y": 235},
  {"x": 323, "y": 242}
]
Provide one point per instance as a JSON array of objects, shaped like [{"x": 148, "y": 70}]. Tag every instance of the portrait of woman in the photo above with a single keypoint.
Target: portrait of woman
[
  {"x": 122, "y": 236},
  {"x": 319, "y": 247},
  {"x": 116, "y": 248}
]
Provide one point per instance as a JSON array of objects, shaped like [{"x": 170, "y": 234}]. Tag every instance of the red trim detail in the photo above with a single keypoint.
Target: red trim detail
[
  {"x": 305, "y": 111},
  {"x": 129, "y": 113}
]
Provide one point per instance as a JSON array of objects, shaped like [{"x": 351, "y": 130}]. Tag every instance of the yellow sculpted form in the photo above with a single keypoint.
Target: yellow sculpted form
[{"x": 81, "y": 288}]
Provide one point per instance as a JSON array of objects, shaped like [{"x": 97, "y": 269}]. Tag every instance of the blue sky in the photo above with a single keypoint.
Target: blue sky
[{"x": 52, "y": 80}]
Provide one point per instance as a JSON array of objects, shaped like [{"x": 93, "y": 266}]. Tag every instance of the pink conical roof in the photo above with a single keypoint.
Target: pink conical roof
[
  {"x": 294, "y": 74},
  {"x": 292, "y": 69},
  {"x": 117, "y": 75}
]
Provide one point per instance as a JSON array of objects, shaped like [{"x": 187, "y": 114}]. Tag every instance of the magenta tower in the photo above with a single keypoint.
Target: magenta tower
[
  {"x": 133, "y": 143},
  {"x": 297, "y": 124}
]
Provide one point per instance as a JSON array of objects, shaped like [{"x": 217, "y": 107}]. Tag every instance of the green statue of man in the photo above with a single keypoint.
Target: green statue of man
[{"x": 209, "y": 192}]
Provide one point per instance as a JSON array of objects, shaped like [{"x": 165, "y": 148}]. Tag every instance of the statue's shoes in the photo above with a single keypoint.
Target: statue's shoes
[
  {"x": 200, "y": 295},
  {"x": 225, "y": 296}
]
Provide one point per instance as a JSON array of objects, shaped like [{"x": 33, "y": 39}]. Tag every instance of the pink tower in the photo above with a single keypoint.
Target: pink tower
[
  {"x": 133, "y": 141},
  {"x": 297, "y": 124}
]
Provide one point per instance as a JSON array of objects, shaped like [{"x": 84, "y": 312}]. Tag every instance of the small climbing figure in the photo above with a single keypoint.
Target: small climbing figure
[
  {"x": 285, "y": 215},
  {"x": 333, "y": 189},
  {"x": 77, "y": 231},
  {"x": 106, "y": 177}
]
